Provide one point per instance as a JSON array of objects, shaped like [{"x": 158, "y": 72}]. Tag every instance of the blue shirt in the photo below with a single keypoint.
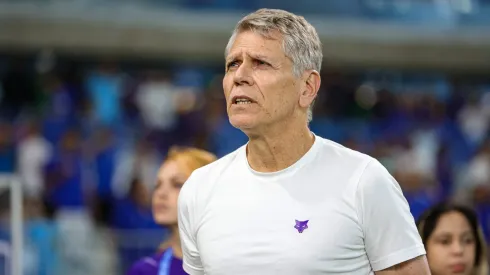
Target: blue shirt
[{"x": 150, "y": 265}]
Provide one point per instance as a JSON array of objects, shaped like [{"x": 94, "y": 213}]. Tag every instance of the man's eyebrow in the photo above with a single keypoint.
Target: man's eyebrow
[
  {"x": 255, "y": 56},
  {"x": 231, "y": 57}
]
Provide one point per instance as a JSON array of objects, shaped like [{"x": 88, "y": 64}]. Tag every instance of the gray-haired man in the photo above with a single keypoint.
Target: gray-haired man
[{"x": 290, "y": 202}]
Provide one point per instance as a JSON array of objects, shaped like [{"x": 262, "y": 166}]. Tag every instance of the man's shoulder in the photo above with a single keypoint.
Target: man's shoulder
[
  {"x": 211, "y": 172},
  {"x": 220, "y": 164},
  {"x": 341, "y": 154},
  {"x": 353, "y": 164}
]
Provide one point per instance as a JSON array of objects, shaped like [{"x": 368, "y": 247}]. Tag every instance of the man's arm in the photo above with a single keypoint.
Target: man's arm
[
  {"x": 416, "y": 266},
  {"x": 391, "y": 239},
  {"x": 186, "y": 215}
]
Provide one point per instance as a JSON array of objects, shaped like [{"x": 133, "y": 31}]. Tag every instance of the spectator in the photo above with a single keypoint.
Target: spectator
[
  {"x": 104, "y": 150},
  {"x": 34, "y": 153},
  {"x": 156, "y": 101},
  {"x": 474, "y": 120},
  {"x": 41, "y": 237},
  {"x": 178, "y": 166},
  {"x": 130, "y": 217},
  {"x": 453, "y": 240},
  {"x": 139, "y": 162},
  {"x": 133, "y": 211},
  {"x": 475, "y": 184},
  {"x": 64, "y": 186},
  {"x": 60, "y": 101},
  {"x": 105, "y": 88}
]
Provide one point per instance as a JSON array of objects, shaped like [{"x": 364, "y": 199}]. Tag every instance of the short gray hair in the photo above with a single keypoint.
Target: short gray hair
[{"x": 300, "y": 40}]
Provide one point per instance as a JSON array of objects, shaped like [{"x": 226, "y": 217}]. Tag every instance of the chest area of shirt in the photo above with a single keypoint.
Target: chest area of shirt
[{"x": 279, "y": 227}]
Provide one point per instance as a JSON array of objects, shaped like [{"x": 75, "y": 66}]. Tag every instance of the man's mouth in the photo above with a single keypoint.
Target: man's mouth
[{"x": 241, "y": 100}]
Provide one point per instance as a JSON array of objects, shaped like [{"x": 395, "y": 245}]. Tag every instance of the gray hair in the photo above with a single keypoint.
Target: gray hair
[{"x": 300, "y": 42}]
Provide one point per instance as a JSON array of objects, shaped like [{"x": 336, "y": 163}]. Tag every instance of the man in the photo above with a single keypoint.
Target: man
[{"x": 290, "y": 202}]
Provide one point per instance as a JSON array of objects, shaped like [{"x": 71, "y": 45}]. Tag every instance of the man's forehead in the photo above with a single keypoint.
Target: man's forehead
[{"x": 246, "y": 44}]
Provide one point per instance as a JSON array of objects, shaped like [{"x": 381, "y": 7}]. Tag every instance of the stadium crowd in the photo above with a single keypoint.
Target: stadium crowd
[{"x": 86, "y": 141}]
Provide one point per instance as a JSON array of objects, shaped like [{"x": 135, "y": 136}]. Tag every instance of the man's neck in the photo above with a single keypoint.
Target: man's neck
[{"x": 279, "y": 148}]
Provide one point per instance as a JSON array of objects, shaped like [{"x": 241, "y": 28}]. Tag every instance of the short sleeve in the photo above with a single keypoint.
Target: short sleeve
[
  {"x": 186, "y": 218},
  {"x": 390, "y": 233}
]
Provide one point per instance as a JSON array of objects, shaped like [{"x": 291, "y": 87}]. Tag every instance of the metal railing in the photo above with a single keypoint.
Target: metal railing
[
  {"x": 13, "y": 252},
  {"x": 5, "y": 250}
]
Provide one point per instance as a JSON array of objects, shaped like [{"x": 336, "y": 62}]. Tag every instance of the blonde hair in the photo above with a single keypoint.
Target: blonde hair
[
  {"x": 300, "y": 40},
  {"x": 192, "y": 158}
]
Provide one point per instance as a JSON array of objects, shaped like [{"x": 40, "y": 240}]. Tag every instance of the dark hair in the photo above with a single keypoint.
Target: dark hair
[{"x": 427, "y": 223}]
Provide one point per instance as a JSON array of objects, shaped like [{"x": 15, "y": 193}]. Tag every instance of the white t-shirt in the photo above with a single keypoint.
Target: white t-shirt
[
  {"x": 157, "y": 105},
  {"x": 234, "y": 220},
  {"x": 33, "y": 154}
]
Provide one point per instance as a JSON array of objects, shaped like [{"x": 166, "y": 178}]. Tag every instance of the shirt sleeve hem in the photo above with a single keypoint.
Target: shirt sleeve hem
[
  {"x": 398, "y": 257},
  {"x": 192, "y": 270}
]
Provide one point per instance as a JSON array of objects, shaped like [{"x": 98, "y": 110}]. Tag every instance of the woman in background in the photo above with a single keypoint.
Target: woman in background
[
  {"x": 453, "y": 240},
  {"x": 175, "y": 170}
]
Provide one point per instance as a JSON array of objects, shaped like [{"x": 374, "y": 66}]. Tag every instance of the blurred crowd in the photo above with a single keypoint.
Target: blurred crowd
[
  {"x": 427, "y": 13},
  {"x": 86, "y": 140}
]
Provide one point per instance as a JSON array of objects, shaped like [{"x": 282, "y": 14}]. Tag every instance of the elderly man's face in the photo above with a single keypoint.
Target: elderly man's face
[{"x": 259, "y": 84}]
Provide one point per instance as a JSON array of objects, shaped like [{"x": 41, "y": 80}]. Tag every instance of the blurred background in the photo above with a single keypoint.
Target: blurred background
[{"x": 94, "y": 92}]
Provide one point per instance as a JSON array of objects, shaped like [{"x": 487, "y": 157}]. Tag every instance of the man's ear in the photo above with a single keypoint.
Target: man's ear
[{"x": 311, "y": 87}]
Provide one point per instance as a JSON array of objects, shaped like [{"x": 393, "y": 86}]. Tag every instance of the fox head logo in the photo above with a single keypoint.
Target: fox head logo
[{"x": 301, "y": 225}]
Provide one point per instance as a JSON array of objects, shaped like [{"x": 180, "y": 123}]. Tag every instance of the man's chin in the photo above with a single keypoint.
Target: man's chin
[{"x": 242, "y": 123}]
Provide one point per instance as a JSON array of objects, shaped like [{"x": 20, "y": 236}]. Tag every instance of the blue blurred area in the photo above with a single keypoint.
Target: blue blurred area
[{"x": 437, "y": 13}]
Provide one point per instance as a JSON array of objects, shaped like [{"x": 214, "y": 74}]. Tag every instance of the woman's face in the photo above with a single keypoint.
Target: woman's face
[
  {"x": 451, "y": 247},
  {"x": 170, "y": 179}
]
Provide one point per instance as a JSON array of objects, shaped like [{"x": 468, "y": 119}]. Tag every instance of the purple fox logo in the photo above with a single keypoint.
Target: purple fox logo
[{"x": 301, "y": 225}]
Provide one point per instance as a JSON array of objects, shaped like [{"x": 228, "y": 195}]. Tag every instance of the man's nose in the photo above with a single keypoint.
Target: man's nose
[{"x": 243, "y": 75}]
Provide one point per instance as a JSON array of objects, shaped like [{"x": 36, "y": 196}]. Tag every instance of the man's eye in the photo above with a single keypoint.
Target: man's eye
[{"x": 232, "y": 64}]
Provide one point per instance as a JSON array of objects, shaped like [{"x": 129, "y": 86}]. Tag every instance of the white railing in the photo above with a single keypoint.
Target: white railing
[
  {"x": 13, "y": 252},
  {"x": 5, "y": 252}
]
